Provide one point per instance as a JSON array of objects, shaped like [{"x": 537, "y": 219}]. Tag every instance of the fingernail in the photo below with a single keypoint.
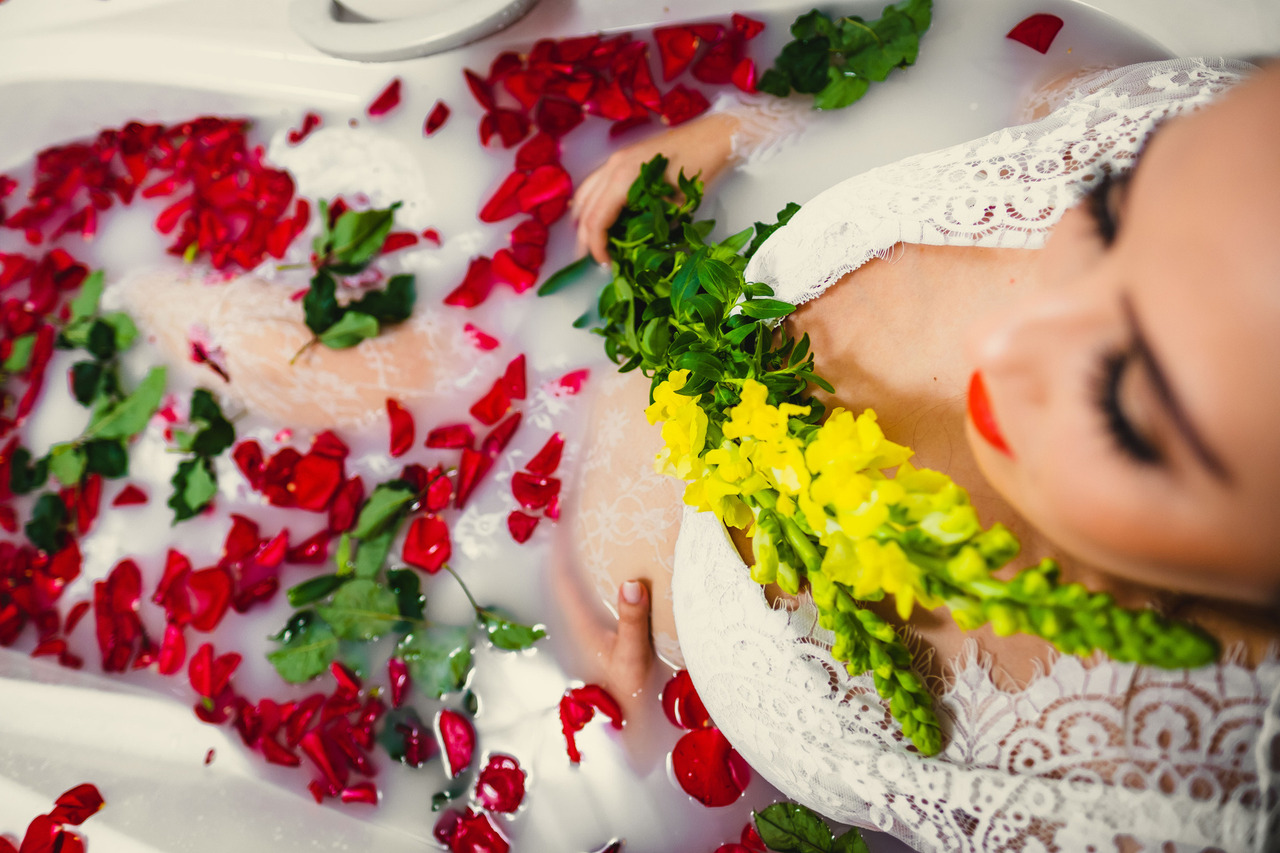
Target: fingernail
[{"x": 632, "y": 592}]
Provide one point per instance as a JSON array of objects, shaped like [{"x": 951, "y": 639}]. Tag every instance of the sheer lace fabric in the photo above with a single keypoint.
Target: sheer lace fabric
[{"x": 1089, "y": 756}]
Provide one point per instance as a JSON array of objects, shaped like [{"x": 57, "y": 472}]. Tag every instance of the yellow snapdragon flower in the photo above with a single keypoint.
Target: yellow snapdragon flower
[
  {"x": 754, "y": 417},
  {"x": 684, "y": 428}
]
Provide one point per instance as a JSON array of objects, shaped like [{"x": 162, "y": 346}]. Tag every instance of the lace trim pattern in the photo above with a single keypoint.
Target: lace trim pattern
[{"x": 1090, "y": 755}]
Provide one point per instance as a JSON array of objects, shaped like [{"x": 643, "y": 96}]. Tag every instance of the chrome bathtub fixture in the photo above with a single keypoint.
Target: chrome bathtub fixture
[{"x": 384, "y": 30}]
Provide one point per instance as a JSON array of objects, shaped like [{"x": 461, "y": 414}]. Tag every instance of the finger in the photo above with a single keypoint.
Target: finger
[{"x": 633, "y": 650}]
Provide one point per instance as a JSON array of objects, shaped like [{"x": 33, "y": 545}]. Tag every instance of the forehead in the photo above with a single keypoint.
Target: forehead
[{"x": 1200, "y": 252}]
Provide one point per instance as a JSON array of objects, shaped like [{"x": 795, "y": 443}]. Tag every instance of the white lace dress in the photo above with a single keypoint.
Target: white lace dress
[{"x": 1106, "y": 756}]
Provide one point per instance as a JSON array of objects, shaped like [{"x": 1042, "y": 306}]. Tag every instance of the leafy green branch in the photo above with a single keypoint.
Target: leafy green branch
[{"x": 195, "y": 482}]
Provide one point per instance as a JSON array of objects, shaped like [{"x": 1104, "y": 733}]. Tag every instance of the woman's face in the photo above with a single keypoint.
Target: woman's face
[{"x": 1136, "y": 390}]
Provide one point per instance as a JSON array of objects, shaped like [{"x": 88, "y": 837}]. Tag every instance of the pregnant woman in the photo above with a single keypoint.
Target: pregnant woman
[{"x": 1078, "y": 319}]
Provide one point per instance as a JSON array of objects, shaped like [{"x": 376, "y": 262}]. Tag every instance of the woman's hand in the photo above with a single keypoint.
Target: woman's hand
[{"x": 704, "y": 145}]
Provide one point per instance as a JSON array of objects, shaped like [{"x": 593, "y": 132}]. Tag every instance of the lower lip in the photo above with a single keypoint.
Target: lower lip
[{"x": 980, "y": 413}]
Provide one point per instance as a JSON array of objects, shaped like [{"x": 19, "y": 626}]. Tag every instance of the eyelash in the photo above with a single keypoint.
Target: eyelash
[
  {"x": 1098, "y": 203},
  {"x": 1106, "y": 394}
]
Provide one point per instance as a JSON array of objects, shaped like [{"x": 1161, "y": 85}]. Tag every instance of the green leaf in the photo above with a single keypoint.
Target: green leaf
[
  {"x": 123, "y": 329},
  {"x": 439, "y": 658},
  {"x": 193, "y": 487},
  {"x": 766, "y": 309},
  {"x": 357, "y": 238},
  {"x": 407, "y": 587},
  {"x": 510, "y": 636},
  {"x": 45, "y": 527},
  {"x": 350, "y": 330},
  {"x": 851, "y": 842},
  {"x": 308, "y": 647},
  {"x": 793, "y": 828},
  {"x": 320, "y": 306},
  {"x": 25, "y": 477},
  {"x": 85, "y": 379},
  {"x": 565, "y": 276},
  {"x": 392, "y": 304},
  {"x": 841, "y": 90},
  {"x": 383, "y": 508},
  {"x": 129, "y": 416},
  {"x": 217, "y": 434},
  {"x": 314, "y": 589},
  {"x": 67, "y": 463},
  {"x": 106, "y": 456},
  {"x": 371, "y": 553},
  {"x": 19, "y": 354},
  {"x": 101, "y": 342},
  {"x": 361, "y": 610},
  {"x": 86, "y": 302}
]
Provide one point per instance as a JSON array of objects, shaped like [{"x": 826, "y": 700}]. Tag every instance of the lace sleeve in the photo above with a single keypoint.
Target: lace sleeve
[{"x": 766, "y": 124}]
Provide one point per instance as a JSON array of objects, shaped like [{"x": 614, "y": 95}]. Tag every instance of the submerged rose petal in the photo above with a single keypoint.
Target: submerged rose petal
[
  {"x": 426, "y": 545},
  {"x": 469, "y": 832},
  {"x": 436, "y": 118},
  {"x": 479, "y": 339},
  {"x": 451, "y": 436},
  {"x": 500, "y": 786},
  {"x": 457, "y": 739},
  {"x": 398, "y": 677},
  {"x": 681, "y": 104},
  {"x": 681, "y": 704},
  {"x": 346, "y": 505},
  {"x": 541, "y": 150},
  {"x": 521, "y": 525},
  {"x": 709, "y": 769},
  {"x": 578, "y": 706},
  {"x": 1036, "y": 31},
  {"x": 386, "y": 101},
  {"x": 401, "y": 428},
  {"x": 476, "y": 285}
]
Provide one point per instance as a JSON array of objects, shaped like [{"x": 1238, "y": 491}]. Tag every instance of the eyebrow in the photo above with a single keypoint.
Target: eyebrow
[{"x": 1164, "y": 391}]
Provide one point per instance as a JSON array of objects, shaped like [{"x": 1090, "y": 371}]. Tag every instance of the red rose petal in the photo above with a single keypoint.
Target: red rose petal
[
  {"x": 490, "y": 408},
  {"x": 212, "y": 589},
  {"x": 209, "y": 675},
  {"x": 398, "y": 677},
  {"x": 1036, "y": 31},
  {"x": 346, "y": 505},
  {"x": 309, "y": 123},
  {"x": 506, "y": 269},
  {"x": 569, "y": 384},
  {"x": 547, "y": 460},
  {"x": 130, "y": 495},
  {"x": 578, "y": 706},
  {"x": 77, "y": 805},
  {"x": 746, "y": 28},
  {"x": 439, "y": 490},
  {"x": 173, "y": 650},
  {"x": 751, "y": 840},
  {"x": 315, "y": 480},
  {"x": 521, "y": 526},
  {"x": 388, "y": 100},
  {"x": 544, "y": 184},
  {"x": 500, "y": 436},
  {"x": 540, "y": 150},
  {"x": 426, "y": 545},
  {"x": 451, "y": 436},
  {"x": 476, "y": 285},
  {"x": 328, "y": 444},
  {"x": 398, "y": 240},
  {"x": 681, "y": 104},
  {"x": 249, "y": 459},
  {"x": 676, "y": 48},
  {"x": 500, "y": 786},
  {"x": 556, "y": 117},
  {"x": 242, "y": 539},
  {"x": 503, "y": 64},
  {"x": 436, "y": 118},
  {"x": 457, "y": 739},
  {"x": 431, "y": 235},
  {"x": 479, "y": 339},
  {"x": 361, "y": 792},
  {"x": 505, "y": 200},
  {"x": 480, "y": 89},
  {"x": 314, "y": 550},
  {"x": 514, "y": 378},
  {"x": 401, "y": 428},
  {"x": 717, "y": 64},
  {"x": 744, "y": 75},
  {"x": 348, "y": 682},
  {"x": 681, "y": 704},
  {"x": 532, "y": 491},
  {"x": 709, "y": 769}
]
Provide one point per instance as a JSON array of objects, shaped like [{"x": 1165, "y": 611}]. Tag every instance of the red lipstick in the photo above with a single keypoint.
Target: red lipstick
[{"x": 983, "y": 419}]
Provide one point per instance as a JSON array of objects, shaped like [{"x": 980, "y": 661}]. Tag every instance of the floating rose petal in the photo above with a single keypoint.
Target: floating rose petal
[
  {"x": 1037, "y": 31},
  {"x": 744, "y": 75},
  {"x": 398, "y": 676},
  {"x": 556, "y": 117},
  {"x": 209, "y": 675},
  {"x": 388, "y": 100},
  {"x": 709, "y": 769},
  {"x": 249, "y": 459},
  {"x": 451, "y": 436},
  {"x": 543, "y": 184},
  {"x": 578, "y": 706},
  {"x": 510, "y": 126},
  {"x": 480, "y": 89},
  {"x": 681, "y": 104},
  {"x": 514, "y": 378},
  {"x": 505, "y": 200},
  {"x": 315, "y": 480},
  {"x": 676, "y": 48},
  {"x": 503, "y": 64},
  {"x": 521, "y": 526},
  {"x": 490, "y": 408},
  {"x": 500, "y": 436},
  {"x": 313, "y": 550},
  {"x": 569, "y": 384},
  {"x": 547, "y": 460},
  {"x": 173, "y": 650},
  {"x": 469, "y": 832},
  {"x": 346, "y": 505},
  {"x": 732, "y": 847},
  {"x": 717, "y": 64},
  {"x": 401, "y": 428},
  {"x": 77, "y": 805},
  {"x": 745, "y": 27},
  {"x": 398, "y": 240},
  {"x": 457, "y": 740},
  {"x": 751, "y": 838},
  {"x": 212, "y": 590},
  {"x": 553, "y": 509},
  {"x": 476, "y": 285},
  {"x": 426, "y": 545},
  {"x": 540, "y": 150},
  {"x": 506, "y": 269},
  {"x": 479, "y": 339},
  {"x": 500, "y": 786},
  {"x": 309, "y": 123},
  {"x": 532, "y": 491},
  {"x": 439, "y": 491},
  {"x": 332, "y": 768},
  {"x": 681, "y": 704},
  {"x": 361, "y": 792},
  {"x": 436, "y": 118}
]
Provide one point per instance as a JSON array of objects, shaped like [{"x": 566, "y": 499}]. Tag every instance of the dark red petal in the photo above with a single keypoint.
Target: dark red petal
[
  {"x": 504, "y": 64},
  {"x": 500, "y": 786},
  {"x": 500, "y": 436},
  {"x": 242, "y": 539},
  {"x": 556, "y": 117},
  {"x": 212, "y": 589},
  {"x": 436, "y": 118},
  {"x": 1037, "y": 31},
  {"x": 398, "y": 676},
  {"x": 398, "y": 240},
  {"x": 401, "y": 428},
  {"x": 331, "y": 767},
  {"x": 681, "y": 704},
  {"x": 328, "y": 444},
  {"x": 315, "y": 480},
  {"x": 457, "y": 739},
  {"x": 506, "y": 269},
  {"x": 681, "y": 104},
  {"x": 547, "y": 460},
  {"x": 426, "y": 545},
  {"x": 532, "y": 491},
  {"x": 346, "y": 505},
  {"x": 480, "y": 340},
  {"x": 709, "y": 769},
  {"x": 511, "y": 126},
  {"x": 746, "y": 28},
  {"x": 676, "y": 48},
  {"x": 309, "y": 123},
  {"x": 313, "y": 550},
  {"x": 540, "y": 150},
  {"x": 451, "y": 436},
  {"x": 480, "y": 89},
  {"x": 173, "y": 650},
  {"x": 717, "y": 64},
  {"x": 388, "y": 100},
  {"x": 476, "y": 285},
  {"x": 348, "y": 682},
  {"x": 439, "y": 490},
  {"x": 471, "y": 470},
  {"x": 77, "y": 805},
  {"x": 249, "y": 459},
  {"x": 130, "y": 495},
  {"x": 521, "y": 526}
]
